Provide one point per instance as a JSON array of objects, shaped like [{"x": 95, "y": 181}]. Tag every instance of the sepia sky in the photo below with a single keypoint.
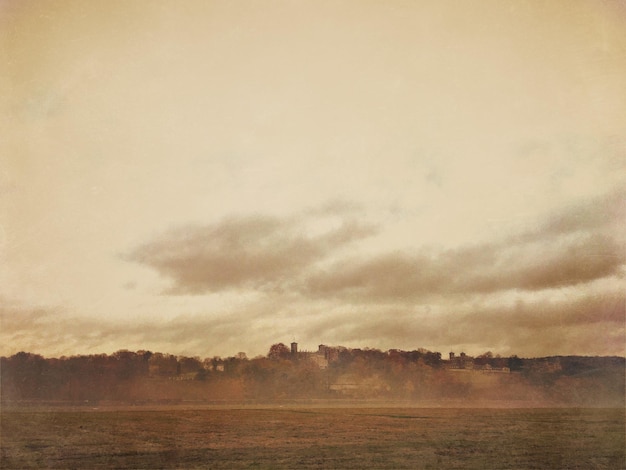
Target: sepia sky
[{"x": 209, "y": 177}]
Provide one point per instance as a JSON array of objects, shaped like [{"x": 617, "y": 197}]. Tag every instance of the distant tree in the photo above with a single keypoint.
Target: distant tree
[
  {"x": 25, "y": 372},
  {"x": 345, "y": 357},
  {"x": 189, "y": 365},
  {"x": 432, "y": 359},
  {"x": 129, "y": 364},
  {"x": 163, "y": 364},
  {"x": 233, "y": 366},
  {"x": 278, "y": 351},
  {"x": 515, "y": 363}
]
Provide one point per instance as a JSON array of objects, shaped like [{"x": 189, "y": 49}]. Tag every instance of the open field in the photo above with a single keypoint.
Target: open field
[{"x": 314, "y": 437}]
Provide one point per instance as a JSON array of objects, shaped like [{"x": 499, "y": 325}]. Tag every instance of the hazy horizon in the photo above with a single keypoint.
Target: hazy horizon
[
  {"x": 208, "y": 177},
  {"x": 306, "y": 351}
]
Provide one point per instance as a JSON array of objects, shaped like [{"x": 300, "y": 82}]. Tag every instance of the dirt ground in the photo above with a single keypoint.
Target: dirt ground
[{"x": 311, "y": 437}]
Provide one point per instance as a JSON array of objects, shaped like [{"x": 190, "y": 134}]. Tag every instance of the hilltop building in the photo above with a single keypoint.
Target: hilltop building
[
  {"x": 322, "y": 357},
  {"x": 462, "y": 361}
]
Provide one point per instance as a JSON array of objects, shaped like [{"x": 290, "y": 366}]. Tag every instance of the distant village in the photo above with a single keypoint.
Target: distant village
[{"x": 326, "y": 355}]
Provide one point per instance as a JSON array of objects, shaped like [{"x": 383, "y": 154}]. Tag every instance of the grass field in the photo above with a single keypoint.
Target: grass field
[{"x": 310, "y": 437}]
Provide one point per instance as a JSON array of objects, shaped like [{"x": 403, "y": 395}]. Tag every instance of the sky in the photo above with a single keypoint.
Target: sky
[{"x": 208, "y": 177}]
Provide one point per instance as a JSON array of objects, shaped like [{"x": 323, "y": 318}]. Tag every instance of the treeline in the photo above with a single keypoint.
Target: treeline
[{"x": 144, "y": 377}]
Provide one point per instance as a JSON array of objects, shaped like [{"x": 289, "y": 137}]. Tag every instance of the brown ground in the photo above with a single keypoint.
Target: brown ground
[{"x": 311, "y": 437}]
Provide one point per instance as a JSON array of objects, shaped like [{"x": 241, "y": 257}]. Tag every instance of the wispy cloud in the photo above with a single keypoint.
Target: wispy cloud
[
  {"x": 570, "y": 247},
  {"x": 584, "y": 324},
  {"x": 479, "y": 269},
  {"x": 595, "y": 215},
  {"x": 51, "y": 329},
  {"x": 248, "y": 252},
  {"x": 589, "y": 324}
]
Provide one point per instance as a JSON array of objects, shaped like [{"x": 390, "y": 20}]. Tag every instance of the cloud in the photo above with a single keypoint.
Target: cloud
[
  {"x": 51, "y": 331},
  {"x": 390, "y": 276},
  {"x": 257, "y": 252},
  {"x": 574, "y": 246},
  {"x": 590, "y": 324},
  {"x": 593, "y": 215},
  {"x": 559, "y": 264},
  {"x": 482, "y": 269},
  {"x": 337, "y": 207}
]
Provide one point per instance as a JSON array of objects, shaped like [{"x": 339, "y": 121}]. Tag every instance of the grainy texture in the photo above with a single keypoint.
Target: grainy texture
[{"x": 307, "y": 438}]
